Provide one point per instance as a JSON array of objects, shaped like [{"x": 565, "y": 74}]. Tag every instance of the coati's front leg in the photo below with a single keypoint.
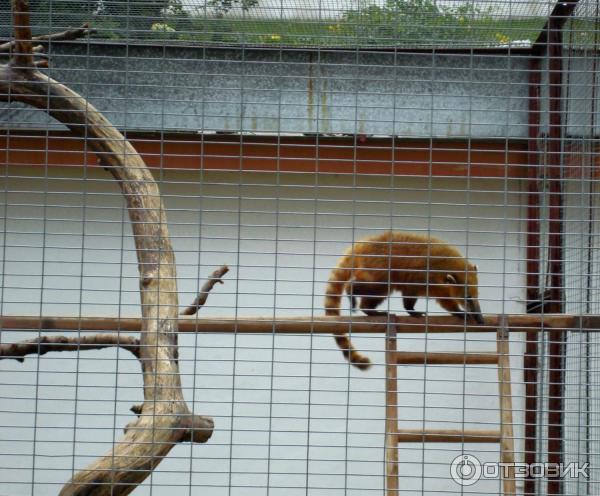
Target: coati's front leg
[
  {"x": 452, "y": 307},
  {"x": 409, "y": 305}
]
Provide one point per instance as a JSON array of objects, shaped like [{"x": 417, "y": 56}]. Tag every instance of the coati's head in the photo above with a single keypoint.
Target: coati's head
[{"x": 463, "y": 287}]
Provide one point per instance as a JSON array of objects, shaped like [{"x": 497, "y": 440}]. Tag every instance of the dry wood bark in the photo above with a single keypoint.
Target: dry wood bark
[
  {"x": 216, "y": 277},
  {"x": 165, "y": 418},
  {"x": 69, "y": 34},
  {"x": 46, "y": 344}
]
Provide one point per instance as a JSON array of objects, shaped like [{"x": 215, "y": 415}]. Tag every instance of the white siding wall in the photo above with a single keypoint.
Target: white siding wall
[{"x": 290, "y": 414}]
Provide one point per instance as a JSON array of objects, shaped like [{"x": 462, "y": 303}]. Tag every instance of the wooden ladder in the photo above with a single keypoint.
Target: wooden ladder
[{"x": 394, "y": 435}]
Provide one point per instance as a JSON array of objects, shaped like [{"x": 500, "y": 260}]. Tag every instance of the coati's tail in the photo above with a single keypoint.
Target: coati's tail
[
  {"x": 338, "y": 281},
  {"x": 354, "y": 357}
]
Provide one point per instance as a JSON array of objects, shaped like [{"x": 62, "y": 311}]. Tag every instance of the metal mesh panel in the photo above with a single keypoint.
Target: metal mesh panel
[
  {"x": 407, "y": 23},
  {"x": 582, "y": 387},
  {"x": 280, "y": 135}
]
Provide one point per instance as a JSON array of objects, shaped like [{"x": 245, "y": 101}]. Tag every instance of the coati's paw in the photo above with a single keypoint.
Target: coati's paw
[
  {"x": 414, "y": 313},
  {"x": 375, "y": 313}
]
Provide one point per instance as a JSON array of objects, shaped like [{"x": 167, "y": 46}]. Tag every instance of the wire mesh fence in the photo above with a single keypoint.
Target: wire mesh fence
[
  {"x": 281, "y": 134},
  {"x": 416, "y": 23}
]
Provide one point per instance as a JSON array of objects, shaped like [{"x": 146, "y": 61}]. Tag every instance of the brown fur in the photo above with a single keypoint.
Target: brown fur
[{"x": 413, "y": 264}]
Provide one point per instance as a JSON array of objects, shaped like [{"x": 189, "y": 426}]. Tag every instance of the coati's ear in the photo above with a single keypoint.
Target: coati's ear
[{"x": 450, "y": 278}]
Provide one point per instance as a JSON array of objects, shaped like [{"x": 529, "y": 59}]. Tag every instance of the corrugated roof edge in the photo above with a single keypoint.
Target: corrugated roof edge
[{"x": 503, "y": 49}]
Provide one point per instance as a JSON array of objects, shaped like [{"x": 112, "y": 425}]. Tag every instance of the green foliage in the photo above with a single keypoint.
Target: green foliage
[
  {"x": 395, "y": 23},
  {"x": 57, "y": 15},
  {"x": 135, "y": 16},
  {"x": 223, "y": 6},
  {"x": 411, "y": 21},
  {"x": 111, "y": 18}
]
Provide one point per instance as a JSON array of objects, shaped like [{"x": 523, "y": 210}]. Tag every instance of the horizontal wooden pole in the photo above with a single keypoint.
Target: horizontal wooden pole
[
  {"x": 305, "y": 325},
  {"x": 447, "y": 436},
  {"x": 422, "y": 358}
]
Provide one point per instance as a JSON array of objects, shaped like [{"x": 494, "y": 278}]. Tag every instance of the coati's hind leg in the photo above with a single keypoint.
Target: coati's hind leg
[
  {"x": 368, "y": 304},
  {"x": 371, "y": 295},
  {"x": 409, "y": 305}
]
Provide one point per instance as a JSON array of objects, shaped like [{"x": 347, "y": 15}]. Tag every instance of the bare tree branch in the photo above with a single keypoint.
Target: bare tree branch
[
  {"x": 191, "y": 428},
  {"x": 162, "y": 419},
  {"x": 22, "y": 55},
  {"x": 46, "y": 344},
  {"x": 196, "y": 428},
  {"x": 69, "y": 34},
  {"x": 208, "y": 285}
]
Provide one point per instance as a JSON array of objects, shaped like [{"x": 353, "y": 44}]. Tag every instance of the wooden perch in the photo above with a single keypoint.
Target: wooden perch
[
  {"x": 46, "y": 344},
  {"x": 157, "y": 429},
  {"x": 314, "y": 325},
  {"x": 208, "y": 285}
]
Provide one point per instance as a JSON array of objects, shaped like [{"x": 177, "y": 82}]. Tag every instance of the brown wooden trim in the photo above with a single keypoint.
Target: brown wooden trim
[
  {"x": 530, "y": 358},
  {"x": 346, "y": 155},
  {"x": 448, "y": 436},
  {"x": 430, "y": 358},
  {"x": 391, "y": 414},
  {"x": 562, "y": 10},
  {"x": 507, "y": 441}
]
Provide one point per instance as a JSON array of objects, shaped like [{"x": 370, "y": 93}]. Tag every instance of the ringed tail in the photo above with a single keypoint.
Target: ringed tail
[{"x": 338, "y": 281}]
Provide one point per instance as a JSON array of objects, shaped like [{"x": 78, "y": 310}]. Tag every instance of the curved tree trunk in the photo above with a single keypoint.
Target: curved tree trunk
[{"x": 165, "y": 418}]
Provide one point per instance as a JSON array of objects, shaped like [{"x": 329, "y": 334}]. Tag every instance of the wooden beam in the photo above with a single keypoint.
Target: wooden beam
[
  {"x": 447, "y": 436},
  {"x": 391, "y": 415},
  {"x": 421, "y": 358},
  {"x": 308, "y": 324},
  {"x": 507, "y": 441}
]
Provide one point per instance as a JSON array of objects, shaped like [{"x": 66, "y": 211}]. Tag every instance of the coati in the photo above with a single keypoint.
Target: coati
[{"x": 413, "y": 264}]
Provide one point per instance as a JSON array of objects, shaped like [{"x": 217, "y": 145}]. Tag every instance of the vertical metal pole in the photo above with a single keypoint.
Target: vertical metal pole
[
  {"x": 530, "y": 359},
  {"x": 549, "y": 43},
  {"x": 555, "y": 227}
]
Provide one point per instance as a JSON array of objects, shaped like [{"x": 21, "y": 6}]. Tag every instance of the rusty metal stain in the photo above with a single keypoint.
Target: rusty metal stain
[
  {"x": 324, "y": 110},
  {"x": 310, "y": 92}
]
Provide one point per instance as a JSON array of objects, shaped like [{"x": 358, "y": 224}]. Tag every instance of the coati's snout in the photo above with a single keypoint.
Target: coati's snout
[
  {"x": 472, "y": 303},
  {"x": 463, "y": 294},
  {"x": 474, "y": 311}
]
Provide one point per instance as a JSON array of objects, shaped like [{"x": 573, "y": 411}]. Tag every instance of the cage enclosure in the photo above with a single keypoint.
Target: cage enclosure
[{"x": 152, "y": 149}]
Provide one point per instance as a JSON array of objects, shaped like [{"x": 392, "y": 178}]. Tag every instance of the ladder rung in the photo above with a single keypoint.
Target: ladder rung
[
  {"x": 421, "y": 358},
  {"x": 447, "y": 436}
]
